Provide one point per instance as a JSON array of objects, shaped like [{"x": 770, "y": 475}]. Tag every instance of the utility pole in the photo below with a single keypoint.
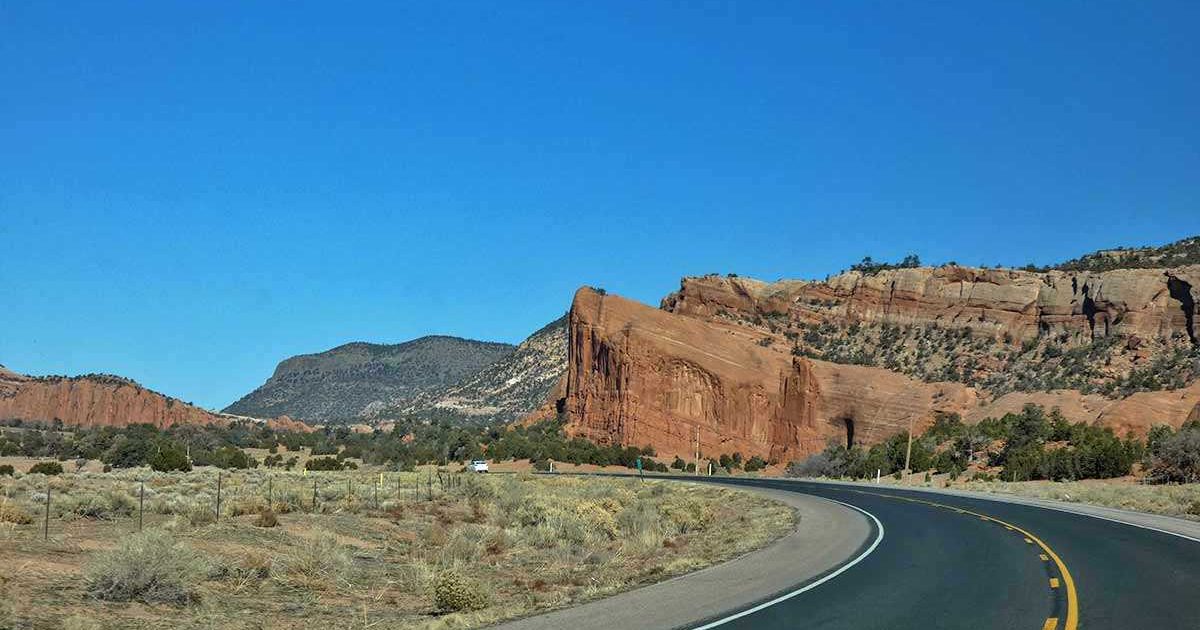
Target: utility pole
[
  {"x": 697, "y": 449},
  {"x": 908, "y": 451}
]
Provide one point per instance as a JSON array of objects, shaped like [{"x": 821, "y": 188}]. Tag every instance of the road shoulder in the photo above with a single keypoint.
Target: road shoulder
[{"x": 827, "y": 535}]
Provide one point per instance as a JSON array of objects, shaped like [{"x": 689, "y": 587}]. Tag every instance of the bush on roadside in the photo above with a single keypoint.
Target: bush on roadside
[
  {"x": 150, "y": 567},
  {"x": 1175, "y": 458},
  {"x": 317, "y": 564},
  {"x": 816, "y": 465},
  {"x": 454, "y": 592},
  {"x": 7, "y": 470},
  {"x": 10, "y": 513},
  {"x": 46, "y": 468},
  {"x": 266, "y": 518},
  {"x": 99, "y": 505}
]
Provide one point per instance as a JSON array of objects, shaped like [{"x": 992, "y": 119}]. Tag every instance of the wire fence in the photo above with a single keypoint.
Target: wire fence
[{"x": 214, "y": 495}]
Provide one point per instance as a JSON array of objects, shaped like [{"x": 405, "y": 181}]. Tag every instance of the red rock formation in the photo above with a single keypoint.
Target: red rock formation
[
  {"x": 642, "y": 376},
  {"x": 638, "y": 375},
  {"x": 1144, "y": 302},
  {"x": 90, "y": 401},
  {"x": 286, "y": 423}
]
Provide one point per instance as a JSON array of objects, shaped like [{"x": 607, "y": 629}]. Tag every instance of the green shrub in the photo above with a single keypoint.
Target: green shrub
[
  {"x": 151, "y": 567},
  {"x": 7, "y": 470},
  {"x": 1177, "y": 458},
  {"x": 98, "y": 505},
  {"x": 454, "y": 592},
  {"x": 169, "y": 457},
  {"x": 46, "y": 468},
  {"x": 323, "y": 463}
]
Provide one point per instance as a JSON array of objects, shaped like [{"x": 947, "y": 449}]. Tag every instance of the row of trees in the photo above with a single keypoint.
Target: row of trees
[
  {"x": 1028, "y": 445},
  {"x": 407, "y": 445}
]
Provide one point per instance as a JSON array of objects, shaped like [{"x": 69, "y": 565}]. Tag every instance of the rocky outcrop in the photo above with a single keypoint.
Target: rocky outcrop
[
  {"x": 92, "y": 401},
  {"x": 643, "y": 376},
  {"x": 1112, "y": 332},
  {"x": 994, "y": 302}
]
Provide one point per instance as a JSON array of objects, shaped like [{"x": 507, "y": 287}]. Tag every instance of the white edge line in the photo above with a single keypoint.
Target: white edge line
[
  {"x": 810, "y": 586},
  {"x": 1013, "y": 499}
]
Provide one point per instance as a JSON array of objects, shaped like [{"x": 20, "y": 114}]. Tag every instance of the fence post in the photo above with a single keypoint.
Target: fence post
[
  {"x": 270, "y": 494},
  {"x": 46, "y": 522},
  {"x": 141, "y": 503},
  {"x": 376, "y": 495},
  {"x": 218, "y": 519},
  {"x": 314, "y": 508},
  {"x": 349, "y": 490}
]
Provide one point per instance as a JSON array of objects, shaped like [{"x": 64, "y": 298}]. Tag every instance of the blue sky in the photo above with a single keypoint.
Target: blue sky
[{"x": 190, "y": 192}]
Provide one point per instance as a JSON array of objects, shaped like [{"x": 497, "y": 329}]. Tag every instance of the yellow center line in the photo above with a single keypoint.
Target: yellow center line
[
  {"x": 1044, "y": 557},
  {"x": 1072, "y": 620},
  {"x": 1053, "y": 582}
]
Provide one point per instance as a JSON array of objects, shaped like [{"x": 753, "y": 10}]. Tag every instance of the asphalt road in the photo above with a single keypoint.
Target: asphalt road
[{"x": 956, "y": 562}]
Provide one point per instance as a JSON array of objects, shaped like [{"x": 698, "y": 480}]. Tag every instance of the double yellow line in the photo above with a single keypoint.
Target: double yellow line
[{"x": 1071, "y": 622}]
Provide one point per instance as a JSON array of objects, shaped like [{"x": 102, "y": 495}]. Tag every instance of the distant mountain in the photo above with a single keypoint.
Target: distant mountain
[
  {"x": 510, "y": 388},
  {"x": 342, "y": 383}
]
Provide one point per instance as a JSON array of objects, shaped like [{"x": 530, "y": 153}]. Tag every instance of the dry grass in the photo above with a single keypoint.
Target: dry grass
[{"x": 483, "y": 549}]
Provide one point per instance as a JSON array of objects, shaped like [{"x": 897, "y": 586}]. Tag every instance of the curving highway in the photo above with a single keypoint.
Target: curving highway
[
  {"x": 958, "y": 562},
  {"x": 869, "y": 557}
]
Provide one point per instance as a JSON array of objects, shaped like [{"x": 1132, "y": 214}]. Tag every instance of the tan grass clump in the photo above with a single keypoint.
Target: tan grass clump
[
  {"x": 266, "y": 518},
  {"x": 151, "y": 567},
  {"x": 10, "y": 513},
  {"x": 319, "y": 564}
]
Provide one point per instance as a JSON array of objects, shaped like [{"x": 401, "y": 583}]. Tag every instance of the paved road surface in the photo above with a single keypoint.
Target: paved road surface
[{"x": 939, "y": 567}]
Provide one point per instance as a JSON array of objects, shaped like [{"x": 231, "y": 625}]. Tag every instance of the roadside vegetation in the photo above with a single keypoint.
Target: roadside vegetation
[
  {"x": 1032, "y": 444},
  {"x": 423, "y": 549},
  {"x": 1037, "y": 454},
  {"x": 246, "y": 445}
]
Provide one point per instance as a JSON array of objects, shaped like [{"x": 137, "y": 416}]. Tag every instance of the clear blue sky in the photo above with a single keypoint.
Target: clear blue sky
[{"x": 190, "y": 192}]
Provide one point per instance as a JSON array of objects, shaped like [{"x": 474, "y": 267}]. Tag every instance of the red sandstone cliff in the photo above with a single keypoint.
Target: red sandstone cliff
[
  {"x": 1142, "y": 302},
  {"x": 90, "y": 401},
  {"x": 638, "y": 375}
]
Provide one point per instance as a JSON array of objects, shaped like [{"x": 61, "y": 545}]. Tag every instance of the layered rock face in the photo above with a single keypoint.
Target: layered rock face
[
  {"x": 1142, "y": 302},
  {"x": 641, "y": 376},
  {"x": 1112, "y": 332},
  {"x": 91, "y": 401}
]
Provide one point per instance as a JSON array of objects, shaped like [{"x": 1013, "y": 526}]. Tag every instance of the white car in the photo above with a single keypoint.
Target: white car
[{"x": 479, "y": 465}]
